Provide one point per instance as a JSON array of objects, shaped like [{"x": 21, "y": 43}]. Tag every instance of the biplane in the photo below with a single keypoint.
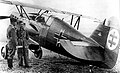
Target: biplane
[{"x": 45, "y": 30}]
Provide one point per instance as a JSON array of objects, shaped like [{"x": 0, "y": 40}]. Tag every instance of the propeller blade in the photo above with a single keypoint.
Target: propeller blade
[{"x": 4, "y": 17}]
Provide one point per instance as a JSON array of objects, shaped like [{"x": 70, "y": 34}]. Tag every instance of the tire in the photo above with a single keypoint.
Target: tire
[
  {"x": 38, "y": 53},
  {"x": 4, "y": 54}
]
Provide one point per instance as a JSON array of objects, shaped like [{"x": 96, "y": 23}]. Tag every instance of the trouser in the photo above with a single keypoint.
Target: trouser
[
  {"x": 10, "y": 63},
  {"x": 11, "y": 53},
  {"x": 22, "y": 56}
]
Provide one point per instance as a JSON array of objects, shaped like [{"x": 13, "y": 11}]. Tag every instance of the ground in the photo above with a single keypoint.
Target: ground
[{"x": 51, "y": 63}]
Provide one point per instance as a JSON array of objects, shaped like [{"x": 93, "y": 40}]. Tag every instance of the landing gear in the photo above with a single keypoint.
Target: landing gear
[
  {"x": 36, "y": 49},
  {"x": 4, "y": 51},
  {"x": 91, "y": 68},
  {"x": 38, "y": 53}
]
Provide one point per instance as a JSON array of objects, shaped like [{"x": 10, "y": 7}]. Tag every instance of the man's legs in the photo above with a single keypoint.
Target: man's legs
[
  {"x": 25, "y": 56},
  {"x": 10, "y": 58},
  {"x": 20, "y": 56},
  {"x": 10, "y": 63}
]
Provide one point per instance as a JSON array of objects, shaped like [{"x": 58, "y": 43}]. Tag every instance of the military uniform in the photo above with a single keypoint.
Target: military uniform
[
  {"x": 22, "y": 51},
  {"x": 11, "y": 36}
]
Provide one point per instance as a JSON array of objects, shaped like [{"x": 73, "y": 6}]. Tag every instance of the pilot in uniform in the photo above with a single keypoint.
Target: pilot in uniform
[
  {"x": 12, "y": 41},
  {"x": 22, "y": 38}
]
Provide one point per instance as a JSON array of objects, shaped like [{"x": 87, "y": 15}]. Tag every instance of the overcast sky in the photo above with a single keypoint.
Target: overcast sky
[{"x": 100, "y": 9}]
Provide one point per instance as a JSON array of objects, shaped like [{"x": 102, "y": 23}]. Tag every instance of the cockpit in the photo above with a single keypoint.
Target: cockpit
[{"x": 40, "y": 19}]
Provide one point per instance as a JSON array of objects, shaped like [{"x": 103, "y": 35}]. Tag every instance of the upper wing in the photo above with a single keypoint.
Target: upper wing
[{"x": 45, "y": 8}]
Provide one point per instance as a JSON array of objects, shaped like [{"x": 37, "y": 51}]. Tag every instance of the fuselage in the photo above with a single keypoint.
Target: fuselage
[
  {"x": 50, "y": 32},
  {"x": 48, "y": 35}
]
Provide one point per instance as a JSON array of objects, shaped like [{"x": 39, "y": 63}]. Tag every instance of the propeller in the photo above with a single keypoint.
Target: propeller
[{"x": 4, "y": 17}]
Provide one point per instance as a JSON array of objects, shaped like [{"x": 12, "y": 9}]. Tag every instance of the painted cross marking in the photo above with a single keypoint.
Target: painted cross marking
[
  {"x": 59, "y": 36},
  {"x": 112, "y": 41}
]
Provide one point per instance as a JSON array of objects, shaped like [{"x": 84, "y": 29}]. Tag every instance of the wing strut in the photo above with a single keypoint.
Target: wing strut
[
  {"x": 18, "y": 9},
  {"x": 77, "y": 21},
  {"x": 39, "y": 11},
  {"x": 71, "y": 20},
  {"x": 21, "y": 10},
  {"x": 25, "y": 12}
]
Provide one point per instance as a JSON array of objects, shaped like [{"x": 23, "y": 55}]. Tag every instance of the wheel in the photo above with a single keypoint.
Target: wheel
[
  {"x": 4, "y": 52},
  {"x": 38, "y": 53}
]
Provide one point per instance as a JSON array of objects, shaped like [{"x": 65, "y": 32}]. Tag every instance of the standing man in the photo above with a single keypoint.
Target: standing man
[
  {"x": 12, "y": 41},
  {"x": 22, "y": 38}
]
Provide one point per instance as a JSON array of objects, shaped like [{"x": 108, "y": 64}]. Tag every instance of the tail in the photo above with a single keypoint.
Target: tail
[{"x": 107, "y": 35}]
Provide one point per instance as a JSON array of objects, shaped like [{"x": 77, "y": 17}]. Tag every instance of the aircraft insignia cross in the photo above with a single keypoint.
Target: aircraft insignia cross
[{"x": 112, "y": 41}]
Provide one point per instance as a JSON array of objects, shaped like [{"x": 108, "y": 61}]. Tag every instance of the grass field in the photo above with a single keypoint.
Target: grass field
[{"x": 53, "y": 63}]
